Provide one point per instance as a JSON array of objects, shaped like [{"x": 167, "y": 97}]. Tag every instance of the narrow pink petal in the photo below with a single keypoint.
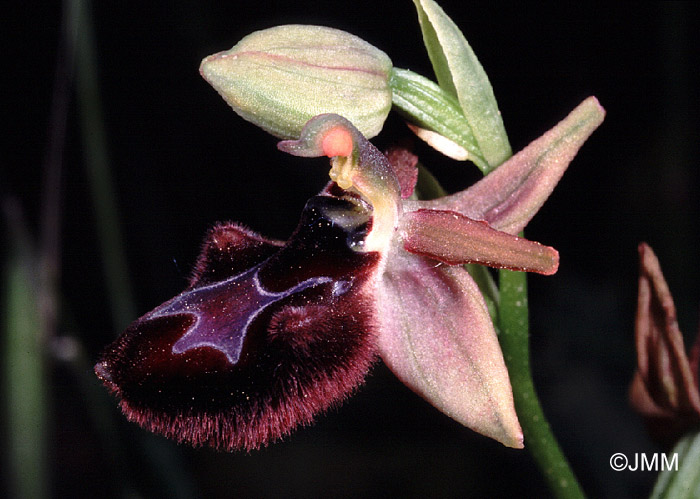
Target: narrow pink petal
[
  {"x": 510, "y": 196},
  {"x": 455, "y": 239},
  {"x": 437, "y": 337}
]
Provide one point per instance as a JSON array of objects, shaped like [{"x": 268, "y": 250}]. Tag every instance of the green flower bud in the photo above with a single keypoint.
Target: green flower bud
[{"x": 281, "y": 77}]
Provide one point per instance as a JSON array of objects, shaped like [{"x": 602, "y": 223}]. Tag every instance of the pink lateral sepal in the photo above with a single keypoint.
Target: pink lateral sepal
[
  {"x": 455, "y": 239},
  {"x": 509, "y": 196},
  {"x": 436, "y": 335}
]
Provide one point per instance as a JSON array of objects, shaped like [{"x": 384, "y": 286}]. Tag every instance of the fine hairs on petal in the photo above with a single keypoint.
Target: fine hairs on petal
[
  {"x": 246, "y": 410},
  {"x": 265, "y": 337},
  {"x": 223, "y": 240},
  {"x": 454, "y": 239}
]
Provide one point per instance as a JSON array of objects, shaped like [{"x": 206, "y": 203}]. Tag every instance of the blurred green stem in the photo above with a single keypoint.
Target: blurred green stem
[
  {"x": 167, "y": 466},
  {"x": 24, "y": 372},
  {"x": 97, "y": 167}
]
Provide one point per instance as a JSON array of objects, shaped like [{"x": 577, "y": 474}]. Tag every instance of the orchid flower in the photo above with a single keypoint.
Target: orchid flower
[{"x": 268, "y": 334}]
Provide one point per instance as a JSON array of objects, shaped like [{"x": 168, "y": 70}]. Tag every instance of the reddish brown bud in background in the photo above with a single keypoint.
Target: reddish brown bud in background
[{"x": 665, "y": 386}]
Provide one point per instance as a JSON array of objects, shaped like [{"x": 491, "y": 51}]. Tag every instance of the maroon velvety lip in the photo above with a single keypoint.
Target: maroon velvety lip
[{"x": 265, "y": 337}]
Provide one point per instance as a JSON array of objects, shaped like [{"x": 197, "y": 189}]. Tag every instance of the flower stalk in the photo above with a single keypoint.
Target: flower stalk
[
  {"x": 556, "y": 146},
  {"x": 459, "y": 73},
  {"x": 514, "y": 339}
]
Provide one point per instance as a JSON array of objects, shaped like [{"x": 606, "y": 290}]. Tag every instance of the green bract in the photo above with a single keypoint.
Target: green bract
[
  {"x": 281, "y": 77},
  {"x": 460, "y": 73}
]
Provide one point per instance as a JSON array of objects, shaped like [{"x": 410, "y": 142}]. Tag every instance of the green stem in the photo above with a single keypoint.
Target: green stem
[
  {"x": 514, "y": 339},
  {"x": 24, "y": 403}
]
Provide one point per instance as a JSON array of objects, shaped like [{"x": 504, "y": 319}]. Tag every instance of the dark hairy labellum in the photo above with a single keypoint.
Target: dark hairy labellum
[{"x": 266, "y": 336}]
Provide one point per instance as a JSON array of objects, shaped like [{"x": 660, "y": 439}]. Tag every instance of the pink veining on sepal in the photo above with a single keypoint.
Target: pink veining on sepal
[
  {"x": 454, "y": 239},
  {"x": 509, "y": 196},
  {"x": 438, "y": 339}
]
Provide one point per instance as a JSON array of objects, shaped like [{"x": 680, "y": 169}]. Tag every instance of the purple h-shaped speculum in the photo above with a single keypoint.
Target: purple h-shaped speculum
[{"x": 224, "y": 311}]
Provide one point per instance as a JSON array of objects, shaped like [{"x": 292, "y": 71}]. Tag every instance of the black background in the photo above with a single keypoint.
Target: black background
[{"x": 182, "y": 160}]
